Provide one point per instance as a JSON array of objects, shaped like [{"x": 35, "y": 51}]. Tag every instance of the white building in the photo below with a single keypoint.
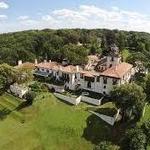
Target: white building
[
  {"x": 19, "y": 90},
  {"x": 98, "y": 76}
]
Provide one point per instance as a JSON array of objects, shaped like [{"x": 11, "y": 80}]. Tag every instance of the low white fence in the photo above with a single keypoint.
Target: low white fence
[
  {"x": 72, "y": 100},
  {"x": 91, "y": 100},
  {"x": 77, "y": 100},
  {"x": 108, "y": 119}
]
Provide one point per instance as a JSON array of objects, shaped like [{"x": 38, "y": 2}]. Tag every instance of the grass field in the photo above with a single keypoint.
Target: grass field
[{"x": 49, "y": 125}]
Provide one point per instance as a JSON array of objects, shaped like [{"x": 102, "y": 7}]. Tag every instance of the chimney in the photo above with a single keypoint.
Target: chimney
[
  {"x": 35, "y": 62},
  {"x": 77, "y": 68},
  {"x": 19, "y": 62}
]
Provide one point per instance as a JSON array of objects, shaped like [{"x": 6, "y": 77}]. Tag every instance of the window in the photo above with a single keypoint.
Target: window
[
  {"x": 105, "y": 80},
  {"x": 89, "y": 85},
  {"x": 123, "y": 77},
  {"x": 104, "y": 93},
  {"x": 98, "y": 78},
  {"x": 42, "y": 69},
  {"x": 114, "y": 81},
  {"x": 110, "y": 66},
  {"x": 112, "y": 58},
  {"x": 91, "y": 79},
  {"x": 47, "y": 71},
  {"x": 75, "y": 76},
  {"x": 81, "y": 75},
  {"x": 105, "y": 87}
]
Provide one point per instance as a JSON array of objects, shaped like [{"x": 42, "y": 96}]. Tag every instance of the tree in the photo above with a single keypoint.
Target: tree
[
  {"x": 8, "y": 75},
  {"x": 134, "y": 139},
  {"x": 146, "y": 129},
  {"x": 24, "y": 75},
  {"x": 130, "y": 98},
  {"x": 75, "y": 54},
  {"x": 2, "y": 84},
  {"x": 147, "y": 87},
  {"x": 105, "y": 145},
  {"x": 30, "y": 96},
  {"x": 93, "y": 50},
  {"x": 121, "y": 38}
]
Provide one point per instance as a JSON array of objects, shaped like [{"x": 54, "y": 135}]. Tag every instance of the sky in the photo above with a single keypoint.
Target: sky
[{"x": 18, "y": 15}]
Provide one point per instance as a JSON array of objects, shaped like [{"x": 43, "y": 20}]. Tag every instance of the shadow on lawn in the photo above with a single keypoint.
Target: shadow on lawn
[
  {"x": 97, "y": 130},
  {"x": 23, "y": 105},
  {"x": 4, "y": 113}
]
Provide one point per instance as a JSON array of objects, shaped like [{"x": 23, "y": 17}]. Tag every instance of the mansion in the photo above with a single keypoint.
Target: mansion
[{"x": 99, "y": 75}]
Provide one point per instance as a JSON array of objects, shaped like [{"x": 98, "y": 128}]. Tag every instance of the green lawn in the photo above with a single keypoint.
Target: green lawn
[{"x": 49, "y": 125}]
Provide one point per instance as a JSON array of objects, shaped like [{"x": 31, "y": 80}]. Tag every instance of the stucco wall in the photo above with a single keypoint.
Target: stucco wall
[
  {"x": 18, "y": 91},
  {"x": 91, "y": 100},
  {"x": 72, "y": 100},
  {"x": 76, "y": 101}
]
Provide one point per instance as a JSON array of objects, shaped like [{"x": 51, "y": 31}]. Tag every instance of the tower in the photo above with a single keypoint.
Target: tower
[{"x": 113, "y": 58}]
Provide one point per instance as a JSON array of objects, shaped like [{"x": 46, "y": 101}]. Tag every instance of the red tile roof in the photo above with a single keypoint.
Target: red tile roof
[
  {"x": 89, "y": 73},
  {"x": 26, "y": 65},
  {"x": 48, "y": 65},
  {"x": 57, "y": 66},
  {"x": 70, "y": 69},
  {"x": 117, "y": 71}
]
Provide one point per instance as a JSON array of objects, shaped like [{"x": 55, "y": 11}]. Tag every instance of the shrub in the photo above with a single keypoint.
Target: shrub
[
  {"x": 36, "y": 86},
  {"x": 105, "y": 145},
  {"x": 30, "y": 96},
  {"x": 146, "y": 129},
  {"x": 134, "y": 139}
]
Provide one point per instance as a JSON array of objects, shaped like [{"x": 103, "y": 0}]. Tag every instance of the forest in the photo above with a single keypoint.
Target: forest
[{"x": 72, "y": 44}]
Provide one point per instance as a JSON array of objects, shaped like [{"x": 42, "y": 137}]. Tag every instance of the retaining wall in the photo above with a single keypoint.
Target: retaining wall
[
  {"x": 72, "y": 100},
  {"x": 91, "y": 100}
]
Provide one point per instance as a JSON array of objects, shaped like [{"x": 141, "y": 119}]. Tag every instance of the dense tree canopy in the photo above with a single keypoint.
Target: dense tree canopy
[
  {"x": 134, "y": 139},
  {"x": 130, "y": 98},
  {"x": 10, "y": 75},
  {"x": 105, "y": 145},
  {"x": 51, "y": 44},
  {"x": 147, "y": 87},
  {"x": 146, "y": 129}
]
